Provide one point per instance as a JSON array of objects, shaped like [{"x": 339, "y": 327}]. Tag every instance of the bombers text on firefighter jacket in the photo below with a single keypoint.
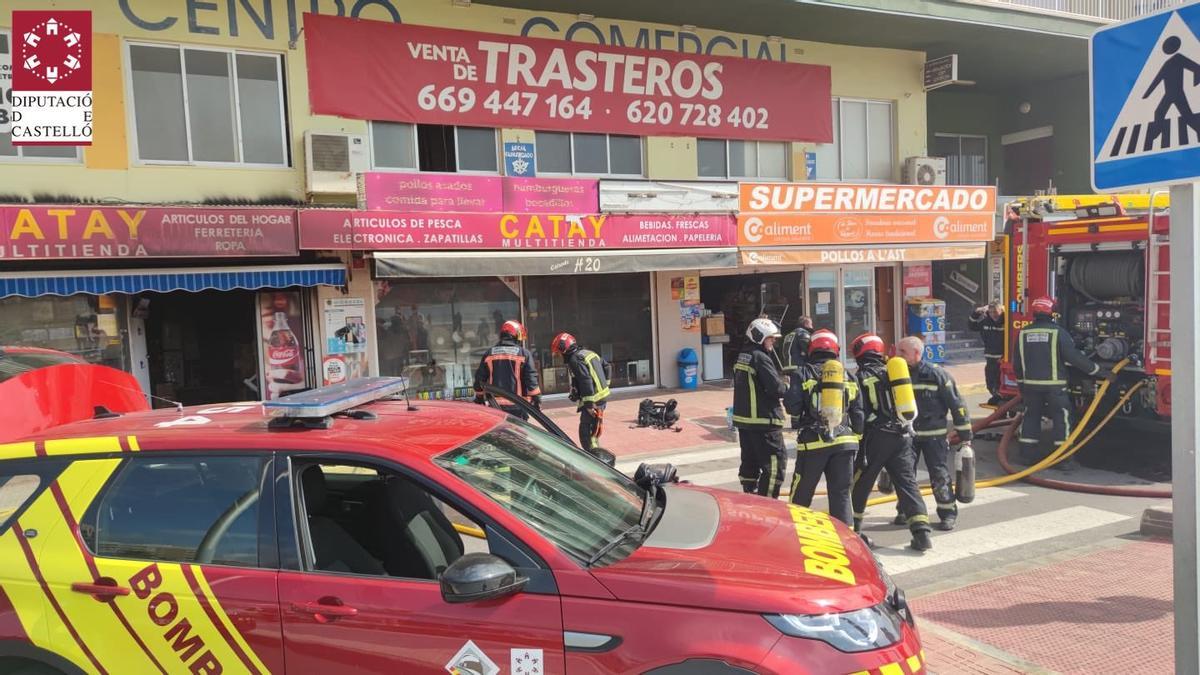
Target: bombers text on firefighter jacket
[
  {"x": 795, "y": 350},
  {"x": 589, "y": 376},
  {"x": 803, "y": 400},
  {"x": 992, "y": 331},
  {"x": 757, "y": 388},
  {"x": 879, "y": 408},
  {"x": 508, "y": 366},
  {"x": 937, "y": 395},
  {"x": 1042, "y": 348}
]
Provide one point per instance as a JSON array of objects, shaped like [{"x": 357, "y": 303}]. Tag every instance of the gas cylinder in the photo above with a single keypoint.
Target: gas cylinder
[
  {"x": 964, "y": 478},
  {"x": 902, "y": 390},
  {"x": 832, "y": 388}
]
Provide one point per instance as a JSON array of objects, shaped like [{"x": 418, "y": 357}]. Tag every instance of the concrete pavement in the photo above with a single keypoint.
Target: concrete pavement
[{"x": 1032, "y": 580}]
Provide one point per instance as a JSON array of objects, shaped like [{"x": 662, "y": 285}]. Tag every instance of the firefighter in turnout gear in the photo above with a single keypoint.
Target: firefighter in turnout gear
[
  {"x": 1043, "y": 351},
  {"x": 827, "y": 401},
  {"x": 795, "y": 346},
  {"x": 589, "y": 386},
  {"x": 989, "y": 321},
  {"x": 758, "y": 386},
  {"x": 937, "y": 396},
  {"x": 886, "y": 443},
  {"x": 509, "y": 366}
]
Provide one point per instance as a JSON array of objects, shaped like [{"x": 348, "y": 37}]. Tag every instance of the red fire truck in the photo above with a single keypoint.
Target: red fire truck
[{"x": 1105, "y": 260}]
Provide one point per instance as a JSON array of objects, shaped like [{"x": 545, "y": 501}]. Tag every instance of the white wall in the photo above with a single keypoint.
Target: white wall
[{"x": 671, "y": 336}]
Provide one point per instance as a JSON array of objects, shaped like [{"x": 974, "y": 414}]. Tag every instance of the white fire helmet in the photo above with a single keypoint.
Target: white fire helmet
[{"x": 761, "y": 329}]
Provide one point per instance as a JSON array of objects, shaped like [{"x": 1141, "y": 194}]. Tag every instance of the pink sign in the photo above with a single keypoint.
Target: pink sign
[
  {"x": 432, "y": 193},
  {"x": 551, "y": 195},
  {"x": 69, "y": 231},
  {"x": 322, "y": 229},
  {"x": 391, "y": 191}
]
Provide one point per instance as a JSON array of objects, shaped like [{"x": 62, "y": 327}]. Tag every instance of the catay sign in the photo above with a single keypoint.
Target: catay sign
[
  {"x": 64, "y": 232},
  {"x": 792, "y": 214},
  {"x": 420, "y": 74}
]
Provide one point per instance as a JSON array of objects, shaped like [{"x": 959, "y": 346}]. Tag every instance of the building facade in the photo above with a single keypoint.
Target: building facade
[{"x": 220, "y": 237}]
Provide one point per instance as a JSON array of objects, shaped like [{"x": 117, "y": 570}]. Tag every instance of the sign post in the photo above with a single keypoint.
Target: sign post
[{"x": 1145, "y": 132}]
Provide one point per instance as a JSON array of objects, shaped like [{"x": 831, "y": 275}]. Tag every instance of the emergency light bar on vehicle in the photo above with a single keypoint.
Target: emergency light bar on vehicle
[{"x": 331, "y": 400}]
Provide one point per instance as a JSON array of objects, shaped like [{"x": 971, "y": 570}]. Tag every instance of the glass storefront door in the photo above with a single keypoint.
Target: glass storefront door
[
  {"x": 434, "y": 331},
  {"x": 609, "y": 314},
  {"x": 858, "y": 293},
  {"x": 823, "y": 298}
]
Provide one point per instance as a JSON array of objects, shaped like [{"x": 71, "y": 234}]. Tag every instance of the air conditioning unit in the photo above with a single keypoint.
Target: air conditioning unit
[
  {"x": 333, "y": 160},
  {"x": 925, "y": 171}
]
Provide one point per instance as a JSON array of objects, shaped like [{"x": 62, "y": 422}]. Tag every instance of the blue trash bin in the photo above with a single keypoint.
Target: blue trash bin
[{"x": 689, "y": 369}]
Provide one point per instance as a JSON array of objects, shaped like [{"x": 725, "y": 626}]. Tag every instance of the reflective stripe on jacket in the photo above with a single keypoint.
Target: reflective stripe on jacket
[
  {"x": 803, "y": 400},
  {"x": 757, "y": 388},
  {"x": 508, "y": 366},
  {"x": 937, "y": 396},
  {"x": 588, "y": 376},
  {"x": 992, "y": 332},
  {"x": 1043, "y": 351}
]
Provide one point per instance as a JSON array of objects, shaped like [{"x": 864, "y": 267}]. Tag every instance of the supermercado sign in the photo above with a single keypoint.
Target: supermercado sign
[
  {"x": 322, "y": 229},
  {"x": 420, "y": 74},
  {"x": 786, "y": 214},
  {"x": 67, "y": 232}
]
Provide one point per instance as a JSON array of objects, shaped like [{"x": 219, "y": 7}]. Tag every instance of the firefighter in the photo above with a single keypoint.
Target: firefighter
[
  {"x": 509, "y": 366},
  {"x": 937, "y": 395},
  {"x": 1043, "y": 350},
  {"x": 887, "y": 442},
  {"x": 795, "y": 346},
  {"x": 758, "y": 387},
  {"x": 989, "y": 321},
  {"x": 831, "y": 419},
  {"x": 589, "y": 386}
]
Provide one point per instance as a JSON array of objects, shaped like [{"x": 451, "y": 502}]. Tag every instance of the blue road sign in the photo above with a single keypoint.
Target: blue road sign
[
  {"x": 1145, "y": 81},
  {"x": 519, "y": 160}
]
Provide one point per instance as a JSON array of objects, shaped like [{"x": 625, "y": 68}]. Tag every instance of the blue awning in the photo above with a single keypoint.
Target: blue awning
[{"x": 34, "y": 284}]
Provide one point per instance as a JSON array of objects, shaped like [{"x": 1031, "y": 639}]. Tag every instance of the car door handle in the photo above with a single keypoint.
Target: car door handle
[
  {"x": 103, "y": 589},
  {"x": 324, "y": 612}
]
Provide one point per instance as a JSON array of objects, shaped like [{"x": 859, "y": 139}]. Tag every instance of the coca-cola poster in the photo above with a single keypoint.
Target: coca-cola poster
[
  {"x": 345, "y": 324},
  {"x": 284, "y": 366}
]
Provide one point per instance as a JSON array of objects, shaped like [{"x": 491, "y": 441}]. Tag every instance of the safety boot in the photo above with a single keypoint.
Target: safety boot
[
  {"x": 900, "y": 519},
  {"x": 921, "y": 541},
  {"x": 867, "y": 540},
  {"x": 948, "y": 523}
]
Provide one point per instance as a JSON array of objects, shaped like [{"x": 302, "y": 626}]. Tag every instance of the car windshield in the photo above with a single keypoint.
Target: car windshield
[
  {"x": 13, "y": 363},
  {"x": 571, "y": 498}
]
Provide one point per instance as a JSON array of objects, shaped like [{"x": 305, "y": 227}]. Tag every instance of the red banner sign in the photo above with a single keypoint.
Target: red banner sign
[
  {"x": 322, "y": 229},
  {"x": 406, "y": 73},
  {"x": 64, "y": 232}
]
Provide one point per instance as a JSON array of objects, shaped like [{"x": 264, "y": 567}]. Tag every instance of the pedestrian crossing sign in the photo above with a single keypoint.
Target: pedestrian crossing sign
[{"x": 1145, "y": 100}]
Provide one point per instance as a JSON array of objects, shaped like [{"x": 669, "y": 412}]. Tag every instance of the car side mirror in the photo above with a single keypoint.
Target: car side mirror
[
  {"x": 604, "y": 456},
  {"x": 479, "y": 576}
]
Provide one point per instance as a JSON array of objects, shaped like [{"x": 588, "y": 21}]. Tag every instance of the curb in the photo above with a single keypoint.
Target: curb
[{"x": 1157, "y": 521}]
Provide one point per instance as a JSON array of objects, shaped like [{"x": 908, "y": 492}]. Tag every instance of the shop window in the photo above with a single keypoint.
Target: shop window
[
  {"x": 741, "y": 159},
  {"x": 609, "y": 314},
  {"x": 863, "y": 142},
  {"x": 91, "y": 327},
  {"x": 8, "y": 151},
  {"x": 588, "y": 154},
  {"x": 207, "y": 105},
  {"x": 177, "y": 510},
  {"x": 435, "y": 331},
  {"x": 966, "y": 158},
  {"x": 433, "y": 147}
]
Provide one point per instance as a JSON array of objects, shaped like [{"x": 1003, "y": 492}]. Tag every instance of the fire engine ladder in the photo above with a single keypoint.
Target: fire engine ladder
[{"x": 1159, "y": 337}]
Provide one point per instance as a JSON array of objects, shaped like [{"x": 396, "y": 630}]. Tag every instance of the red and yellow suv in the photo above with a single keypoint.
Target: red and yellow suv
[{"x": 342, "y": 531}]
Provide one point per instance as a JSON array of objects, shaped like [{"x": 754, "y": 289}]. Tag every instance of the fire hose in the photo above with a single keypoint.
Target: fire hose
[{"x": 1063, "y": 452}]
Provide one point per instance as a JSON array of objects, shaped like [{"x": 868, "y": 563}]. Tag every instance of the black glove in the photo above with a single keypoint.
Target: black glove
[
  {"x": 573, "y": 396},
  {"x": 537, "y": 402}
]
